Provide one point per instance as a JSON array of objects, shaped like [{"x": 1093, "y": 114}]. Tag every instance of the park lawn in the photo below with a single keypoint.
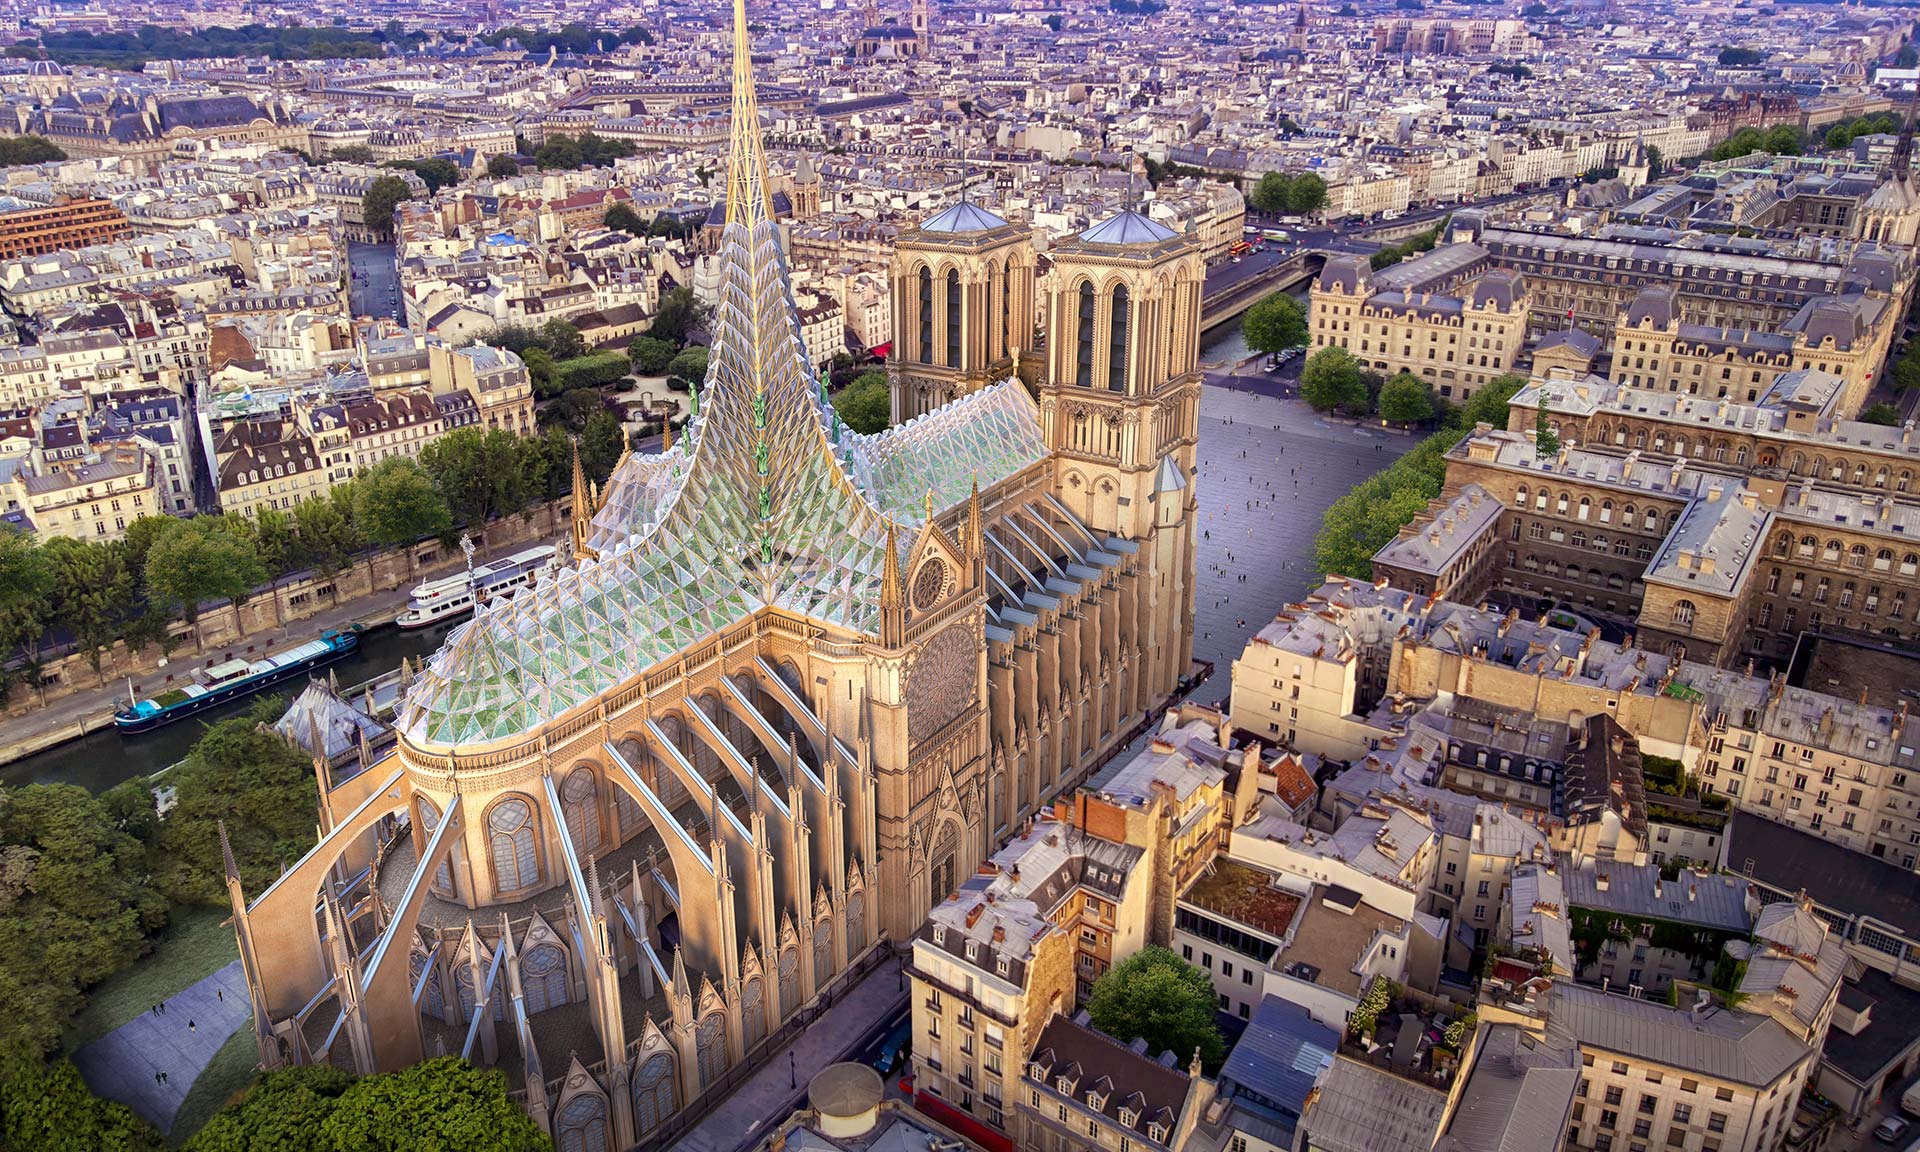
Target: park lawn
[
  {"x": 193, "y": 945},
  {"x": 230, "y": 1070}
]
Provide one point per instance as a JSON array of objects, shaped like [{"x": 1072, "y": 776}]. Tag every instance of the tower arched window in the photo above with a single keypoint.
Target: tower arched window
[
  {"x": 1083, "y": 352},
  {"x": 583, "y": 815},
  {"x": 516, "y": 863},
  {"x": 653, "y": 1096},
  {"x": 543, "y": 977},
  {"x": 1117, "y": 341},
  {"x": 926, "y": 315},
  {"x": 953, "y": 318},
  {"x": 1009, "y": 339},
  {"x": 582, "y": 1124}
]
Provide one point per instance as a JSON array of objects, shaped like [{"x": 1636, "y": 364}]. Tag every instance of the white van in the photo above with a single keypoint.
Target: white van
[{"x": 1910, "y": 1100}]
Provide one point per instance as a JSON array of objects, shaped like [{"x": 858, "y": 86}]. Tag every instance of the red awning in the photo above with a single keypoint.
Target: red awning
[
  {"x": 992, "y": 1139},
  {"x": 881, "y": 350}
]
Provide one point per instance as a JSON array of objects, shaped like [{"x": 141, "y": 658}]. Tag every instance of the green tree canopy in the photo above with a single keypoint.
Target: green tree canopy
[
  {"x": 690, "y": 365},
  {"x": 478, "y": 473},
  {"x": 866, "y": 405},
  {"x": 601, "y": 443},
  {"x": 1488, "y": 404},
  {"x": 1276, "y": 324},
  {"x": 1885, "y": 414},
  {"x": 1331, "y": 379},
  {"x": 1156, "y": 996},
  {"x": 442, "y": 1105},
  {"x": 351, "y": 154},
  {"x": 75, "y": 907},
  {"x": 244, "y": 774},
  {"x": 562, "y": 340},
  {"x": 50, "y": 1110},
  {"x": 202, "y": 559},
  {"x": 28, "y": 150},
  {"x": 395, "y": 503},
  {"x": 93, "y": 591},
  {"x": 679, "y": 314},
  {"x": 282, "y": 1110},
  {"x": 650, "y": 355},
  {"x": 1406, "y": 399},
  {"x": 622, "y": 218},
  {"x": 1290, "y": 193},
  {"x": 501, "y": 166},
  {"x": 26, "y": 582},
  {"x": 326, "y": 533},
  {"x": 382, "y": 196},
  {"x": 437, "y": 172}
]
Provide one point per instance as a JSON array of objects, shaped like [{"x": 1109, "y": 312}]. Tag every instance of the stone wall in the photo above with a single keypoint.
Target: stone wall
[{"x": 228, "y": 630}]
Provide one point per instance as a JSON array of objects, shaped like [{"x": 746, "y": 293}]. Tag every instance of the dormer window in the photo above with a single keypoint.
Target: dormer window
[
  {"x": 1096, "y": 1101},
  {"x": 1065, "y": 1085},
  {"x": 973, "y": 949},
  {"x": 1000, "y": 965},
  {"x": 1038, "y": 1073},
  {"x": 1157, "y": 1133},
  {"x": 1128, "y": 1117},
  {"x": 939, "y": 934}
]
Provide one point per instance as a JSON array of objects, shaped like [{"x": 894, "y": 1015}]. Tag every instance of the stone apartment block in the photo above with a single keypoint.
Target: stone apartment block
[
  {"x": 1083, "y": 1090},
  {"x": 1449, "y": 318},
  {"x": 90, "y": 497}
]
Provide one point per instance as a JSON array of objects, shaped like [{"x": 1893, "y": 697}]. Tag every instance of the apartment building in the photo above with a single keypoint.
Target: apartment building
[
  {"x": 63, "y": 224},
  {"x": 1082, "y": 1089},
  {"x": 266, "y": 461},
  {"x": 93, "y": 496},
  {"x": 1404, "y": 318}
]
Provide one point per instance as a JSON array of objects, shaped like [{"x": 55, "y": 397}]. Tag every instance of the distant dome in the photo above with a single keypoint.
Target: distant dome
[
  {"x": 1128, "y": 227},
  {"x": 962, "y": 217},
  {"x": 46, "y": 68}
]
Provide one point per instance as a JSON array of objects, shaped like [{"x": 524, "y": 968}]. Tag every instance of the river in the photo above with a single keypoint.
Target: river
[{"x": 102, "y": 759}]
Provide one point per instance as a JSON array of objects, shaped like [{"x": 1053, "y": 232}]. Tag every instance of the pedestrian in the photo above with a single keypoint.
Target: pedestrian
[
  {"x": 156, "y": 1077},
  {"x": 220, "y": 994},
  {"x": 191, "y": 1027}
]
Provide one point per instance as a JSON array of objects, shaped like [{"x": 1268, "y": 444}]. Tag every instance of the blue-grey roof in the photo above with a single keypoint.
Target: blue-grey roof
[
  {"x": 1282, "y": 1054},
  {"x": 963, "y": 217},
  {"x": 1128, "y": 227},
  {"x": 1704, "y": 900}
]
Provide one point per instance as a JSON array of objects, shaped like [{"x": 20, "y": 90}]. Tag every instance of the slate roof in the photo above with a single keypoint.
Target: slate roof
[
  {"x": 1850, "y": 883},
  {"x": 1726, "y": 1043},
  {"x": 1281, "y": 1055},
  {"x": 1361, "y": 1108},
  {"x": 1518, "y": 1095}
]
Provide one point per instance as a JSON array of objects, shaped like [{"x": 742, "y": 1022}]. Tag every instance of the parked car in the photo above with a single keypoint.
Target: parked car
[{"x": 1890, "y": 1130}]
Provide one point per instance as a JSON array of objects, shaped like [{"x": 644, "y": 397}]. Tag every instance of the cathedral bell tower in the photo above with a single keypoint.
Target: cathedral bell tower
[
  {"x": 963, "y": 288},
  {"x": 1121, "y": 404}
]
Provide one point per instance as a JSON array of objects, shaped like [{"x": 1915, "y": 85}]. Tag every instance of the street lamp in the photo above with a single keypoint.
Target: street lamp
[{"x": 793, "y": 1072}]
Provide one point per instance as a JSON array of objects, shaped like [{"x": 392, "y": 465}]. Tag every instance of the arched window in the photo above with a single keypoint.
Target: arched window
[
  {"x": 1520, "y": 497},
  {"x": 926, "y": 315},
  {"x": 953, "y": 318},
  {"x": 583, "y": 815},
  {"x": 822, "y": 954},
  {"x": 543, "y": 977},
  {"x": 789, "y": 982},
  {"x": 1083, "y": 363},
  {"x": 856, "y": 921},
  {"x": 711, "y": 1044},
  {"x": 1683, "y": 613},
  {"x": 516, "y": 863},
  {"x": 753, "y": 1012},
  {"x": 1117, "y": 341},
  {"x": 653, "y": 1098},
  {"x": 470, "y": 997},
  {"x": 582, "y": 1124},
  {"x": 443, "y": 875},
  {"x": 1009, "y": 339}
]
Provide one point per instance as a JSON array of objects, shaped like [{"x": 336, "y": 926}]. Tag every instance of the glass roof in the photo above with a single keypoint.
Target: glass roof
[
  {"x": 767, "y": 501},
  {"x": 963, "y": 217},
  {"x": 1128, "y": 227}
]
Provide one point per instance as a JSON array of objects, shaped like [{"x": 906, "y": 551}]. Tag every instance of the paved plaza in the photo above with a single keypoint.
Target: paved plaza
[
  {"x": 1262, "y": 492},
  {"x": 121, "y": 1065}
]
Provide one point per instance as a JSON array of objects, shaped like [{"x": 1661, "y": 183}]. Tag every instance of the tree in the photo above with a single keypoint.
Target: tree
[
  {"x": 866, "y": 405},
  {"x": 622, "y": 218},
  {"x": 326, "y": 534},
  {"x": 75, "y": 907},
  {"x": 202, "y": 559},
  {"x": 1276, "y": 324},
  {"x": 379, "y": 201},
  {"x": 1742, "y": 57},
  {"x": 562, "y": 340},
  {"x": 501, "y": 166},
  {"x": 93, "y": 592},
  {"x": 351, "y": 154},
  {"x": 1292, "y": 193},
  {"x": 689, "y": 366},
  {"x": 1405, "y": 399},
  {"x": 1545, "y": 441},
  {"x": 395, "y": 503},
  {"x": 243, "y": 774},
  {"x": 1488, "y": 404},
  {"x": 560, "y": 151},
  {"x": 282, "y": 1109},
  {"x": 1906, "y": 373},
  {"x": 477, "y": 472},
  {"x": 1054, "y": 22},
  {"x": 442, "y": 1104},
  {"x": 437, "y": 173},
  {"x": 539, "y": 366},
  {"x": 50, "y": 1110},
  {"x": 1156, "y": 996},
  {"x": 26, "y": 582},
  {"x": 1885, "y": 414},
  {"x": 1331, "y": 379},
  {"x": 601, "y": 443},
  {"x": 277, "y": 542},
  {"x": 29, "y": 150},
  {"x": 679, "y": 314},
  {"x": 1839, "y": 136},
  {"x": 1656, "y": 163},
  {"x": 649, "y": 355},
  {"x": 1783, "y": 140}
]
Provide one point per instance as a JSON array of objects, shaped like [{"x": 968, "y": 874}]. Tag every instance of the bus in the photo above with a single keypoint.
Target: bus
[
  {"x": 1277, "y": 236},
  {"x": 1240, "y": 248}
]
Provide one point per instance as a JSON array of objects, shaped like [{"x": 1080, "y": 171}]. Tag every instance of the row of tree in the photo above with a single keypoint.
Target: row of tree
[
  {"x": 575, "y": 38},
  {"x": 585, "y": 150},
  {"x": 622, "y": 218},
  {"x": 28, "y": 150},
  {"x": 1780, "y": 140},
  {"x": 1289, "y": 193},
  {"x": 1412, "y": 246},
  {"x": 1842, "y": 135},
  {"x": 1366, "y": 519}
]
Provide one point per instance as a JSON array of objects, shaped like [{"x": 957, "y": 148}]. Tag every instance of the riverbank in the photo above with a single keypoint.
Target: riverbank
[{"x": 89, "y": 713}]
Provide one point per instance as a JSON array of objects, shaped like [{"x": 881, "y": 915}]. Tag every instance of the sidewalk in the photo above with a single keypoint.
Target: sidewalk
[
  {"x": 764, "y": 1101},
  {"x": 90, "y": 709},
  {"x": 121, "y": 1064}
]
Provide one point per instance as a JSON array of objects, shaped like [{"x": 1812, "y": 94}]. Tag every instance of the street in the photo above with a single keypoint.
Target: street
[{"x": 374, "y": 289}]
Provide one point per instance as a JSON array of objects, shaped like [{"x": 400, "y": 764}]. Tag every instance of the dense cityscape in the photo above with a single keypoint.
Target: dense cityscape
[{"x": 1062, "y": 575}]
